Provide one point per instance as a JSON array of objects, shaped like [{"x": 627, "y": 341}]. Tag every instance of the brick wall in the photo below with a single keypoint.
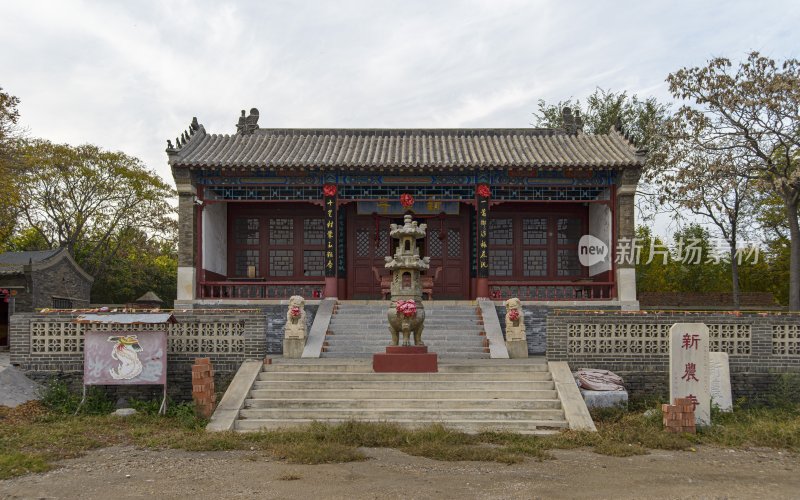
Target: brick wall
[
  {"x": 48, "y": 346},
  {"x": 60, "y": 280},
  {"x": 705, "y": 299},
  {"x": 761, "y": 347}
]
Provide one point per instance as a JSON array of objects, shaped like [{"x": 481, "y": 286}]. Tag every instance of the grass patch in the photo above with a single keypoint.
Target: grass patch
[{"x": 33, "y": 437}]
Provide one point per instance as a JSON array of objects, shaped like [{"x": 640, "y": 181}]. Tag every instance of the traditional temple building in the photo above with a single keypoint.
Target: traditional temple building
[{"x": 268, "y": 213}]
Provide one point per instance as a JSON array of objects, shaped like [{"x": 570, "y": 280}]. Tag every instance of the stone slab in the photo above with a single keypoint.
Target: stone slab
[
  {"x": 605, "y": 399},
  {"x": 720, "y": 383},
  {"x": 517, "y": 348},
  {"x": 227, "y": 411},
  {"x": 293, "y": 347},
  {"x": 689, "y": 371},
  {"x": 494, "y": 333},
  {"x": 427, "y": 362},
  {"x": 575, "y": 410},
  {"x": 319, "y": 328}
]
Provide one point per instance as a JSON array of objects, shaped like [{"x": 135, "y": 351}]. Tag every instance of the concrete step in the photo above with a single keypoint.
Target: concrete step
[
  {"x": 417, "y": 377},
  {"x": 392, "y": 414},
  {"x": 519, "y": 404},
  {"x": 418, "y": 393},
  {"x": 442, "y": 355},
  {"x": 542, "y": 427},
  {"x": 392, "y": 385},
  {"x": 478, "y": 366}
]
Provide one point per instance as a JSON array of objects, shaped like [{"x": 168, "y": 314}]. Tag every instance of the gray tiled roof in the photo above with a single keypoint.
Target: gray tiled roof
[
  {"x": 12, "y": 263},
  {"x": 22, "y": 258},
  {"x": 403, "y": 148}
]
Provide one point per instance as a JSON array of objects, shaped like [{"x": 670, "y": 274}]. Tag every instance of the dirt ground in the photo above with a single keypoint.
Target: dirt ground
[{"x": 131, "y": 473}]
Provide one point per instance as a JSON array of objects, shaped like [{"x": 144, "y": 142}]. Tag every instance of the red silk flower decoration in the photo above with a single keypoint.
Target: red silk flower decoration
[
  {"x": 484, "y": 191},
  {"x": 406, "y": 200},
  {"x": 329, "y": 190},
  {"x": 295, "y": 312},
  {"x": 407, "y": 308},
  {"x": 513, "y": 314}
]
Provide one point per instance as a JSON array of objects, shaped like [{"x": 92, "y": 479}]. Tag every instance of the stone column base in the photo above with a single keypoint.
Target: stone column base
[
  {"x": 517, "y": 348},
  {"x": 293, "y": 348}
]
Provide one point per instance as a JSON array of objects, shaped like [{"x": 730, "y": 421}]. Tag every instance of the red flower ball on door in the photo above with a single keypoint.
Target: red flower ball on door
[
  {"x": 483, "y": 191},
  {"x": 406, "y": 200},
  {"x": 329, "y": 189}
]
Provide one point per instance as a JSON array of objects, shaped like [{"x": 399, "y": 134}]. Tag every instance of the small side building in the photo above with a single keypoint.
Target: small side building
[{"x": 40, "y": 279}]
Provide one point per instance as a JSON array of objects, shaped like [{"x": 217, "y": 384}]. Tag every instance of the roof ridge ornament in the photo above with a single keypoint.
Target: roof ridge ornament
[
  {"x": 247, "y": 125},
  {"x": 572, "y": 124}
]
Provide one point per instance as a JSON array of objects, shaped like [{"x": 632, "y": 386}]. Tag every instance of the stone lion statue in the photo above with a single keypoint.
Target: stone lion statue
[
  {"x": 515, "y": 320},
  {"x": 296, "y": 318}
]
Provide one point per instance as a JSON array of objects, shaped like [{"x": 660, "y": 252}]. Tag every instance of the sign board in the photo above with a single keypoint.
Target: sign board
[
  {"x": 689, "y": 371},
  {"x": 125, "y": 358},
  {"x": 420, "y": 207}
]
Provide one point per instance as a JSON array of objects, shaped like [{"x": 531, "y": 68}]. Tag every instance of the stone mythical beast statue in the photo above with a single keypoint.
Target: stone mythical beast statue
[{"x": 296, "y": 318}]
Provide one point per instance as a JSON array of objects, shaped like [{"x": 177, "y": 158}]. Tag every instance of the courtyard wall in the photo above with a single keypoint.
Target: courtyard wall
[{"x": 635, "y": 344}]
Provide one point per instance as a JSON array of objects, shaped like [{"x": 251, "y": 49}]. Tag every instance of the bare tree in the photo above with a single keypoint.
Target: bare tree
[{"x": 752, "y": 114}]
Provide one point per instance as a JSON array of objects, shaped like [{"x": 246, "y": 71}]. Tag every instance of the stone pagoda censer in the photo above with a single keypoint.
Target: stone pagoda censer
[{"x": 406, "y": 313}]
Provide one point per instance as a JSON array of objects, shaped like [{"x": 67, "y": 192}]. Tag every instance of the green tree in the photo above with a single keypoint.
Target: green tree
[
  {"x": 751, "y": 112},
  {"x": 89, "y": 200},
  {"x": 9, "y": 138}
]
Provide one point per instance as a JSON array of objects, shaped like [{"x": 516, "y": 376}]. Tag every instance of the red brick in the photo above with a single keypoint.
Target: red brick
[{"x": 202, "y": 361}]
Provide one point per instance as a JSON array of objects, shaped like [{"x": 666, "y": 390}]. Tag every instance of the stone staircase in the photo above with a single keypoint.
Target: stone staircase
[
  {"x": 360, "y": 330},
  {"x": 468, "y": 395}
]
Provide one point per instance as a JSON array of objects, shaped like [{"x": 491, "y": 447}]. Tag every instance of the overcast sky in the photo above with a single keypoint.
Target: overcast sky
[{"x": 128, "y": 75}]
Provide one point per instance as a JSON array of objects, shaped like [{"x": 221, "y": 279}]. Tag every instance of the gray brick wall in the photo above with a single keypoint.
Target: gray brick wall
[
  {"x": 646, "y": 374},
  {"x": 60, "y": 280},
  {"x": 69, "y": 366}
]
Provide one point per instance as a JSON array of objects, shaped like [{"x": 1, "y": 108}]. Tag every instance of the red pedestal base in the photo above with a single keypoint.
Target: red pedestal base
[{"x": 408, "y": 359}]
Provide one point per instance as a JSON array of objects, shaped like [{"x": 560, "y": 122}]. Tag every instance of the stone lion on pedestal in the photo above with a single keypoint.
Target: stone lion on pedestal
[
  {"x": 515, "y": 320},
  {"x": 296, "y": 318}
]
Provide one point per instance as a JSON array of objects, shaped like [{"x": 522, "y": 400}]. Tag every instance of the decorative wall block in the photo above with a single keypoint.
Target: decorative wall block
[{"x": 786, "y": 340}]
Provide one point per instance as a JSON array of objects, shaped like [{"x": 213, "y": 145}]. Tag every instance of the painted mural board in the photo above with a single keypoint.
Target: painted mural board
[{"x": 125, "y": 358}]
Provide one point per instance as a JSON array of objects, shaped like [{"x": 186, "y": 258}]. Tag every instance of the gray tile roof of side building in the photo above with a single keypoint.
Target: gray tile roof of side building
[
  {"x": 13, "y": 262},
  {"x": 253, "y": 147}
]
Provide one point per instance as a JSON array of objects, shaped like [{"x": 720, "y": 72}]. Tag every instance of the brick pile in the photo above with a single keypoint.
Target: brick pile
[
  {"x": 203, "y": 387},
  {"x": 680, "y": 416}
]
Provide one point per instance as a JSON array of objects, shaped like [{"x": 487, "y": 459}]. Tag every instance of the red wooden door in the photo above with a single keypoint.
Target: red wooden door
[
  {"x": 366, "y": 249},
  {"x": 447, "y": 244}
]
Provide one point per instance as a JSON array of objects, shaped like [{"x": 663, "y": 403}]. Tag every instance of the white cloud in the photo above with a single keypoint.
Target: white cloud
[{"x": 129, "y": 75}]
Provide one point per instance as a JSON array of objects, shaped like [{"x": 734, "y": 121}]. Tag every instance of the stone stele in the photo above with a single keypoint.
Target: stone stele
[
  {"x": 720, "y": 381},
  {"x": 689, "y": 370}
]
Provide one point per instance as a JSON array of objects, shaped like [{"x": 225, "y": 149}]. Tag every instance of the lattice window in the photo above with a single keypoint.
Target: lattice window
[
  {"x": 534, "y": 262},
  {"x": 314, "y": 231},
  {"x": 730, "y": 338},
  {"x": 281, "y": 231},
  {"x": 313, "y": 263},
  {"x": 453, "y": 243},
  {"x": 617, "y": 338},
  {"x": 786, "y": 340},
  {"x": 246, "y": 231},
  {"x": 246, "y": 258},
  {"x": 569, "y": 231},
  {"x": 206, "y": 337},
  {"x": 568, "y": 263},
  {"x": 66, "y": 337},
  {"x": 534, "y": 231},
  {"x": 501, "y": 262},
  {"x": 61, "y": 303},
  {"x": 383, "y": 244},
  {"x": 281, "y": 262},
  {"x": 363, "y": 243},
  {"x": 501, "y": 232},
  {"x": 434, "y": 243}
]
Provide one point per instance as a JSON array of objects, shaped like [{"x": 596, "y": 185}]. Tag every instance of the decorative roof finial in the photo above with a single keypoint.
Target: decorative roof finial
[{"x": 247, "y": 124}]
